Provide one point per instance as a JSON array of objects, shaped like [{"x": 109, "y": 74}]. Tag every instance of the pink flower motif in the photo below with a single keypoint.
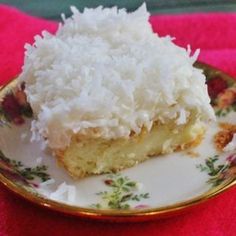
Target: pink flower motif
[
  {"x": 226, "y": 98},
  {"x": 34, "y": 185},
  {"x": 11, "y": 107},
  {"x": 141, "y": 206},
  {"x": 232, "y": 159},
  {"x": 108, "y": 182},
  {"x": 215, "y": 86}
]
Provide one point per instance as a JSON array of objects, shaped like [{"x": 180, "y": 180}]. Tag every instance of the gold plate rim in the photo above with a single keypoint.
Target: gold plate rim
[{"x": 118, "y": 215}]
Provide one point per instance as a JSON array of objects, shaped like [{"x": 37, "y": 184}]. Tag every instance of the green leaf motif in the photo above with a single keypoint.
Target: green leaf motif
[
  {"x": 26, "y": 173},
  {"x": 218, "y": 172},
  {"x": 225, "y": 111},
  {"x": 38, "y": 171},
  {"x": 121, "y": 192},
  {"x": 4, "y": 121}
]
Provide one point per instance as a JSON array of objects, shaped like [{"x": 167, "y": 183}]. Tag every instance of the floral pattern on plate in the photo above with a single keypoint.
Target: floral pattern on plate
[
  {"x": 223, "y": 95},
  {"x": 118, "y": 192},
  {"x": 121, "y": 192},
  {"x": 24, "y": 176},
  {"x": 219, "y": 173},
  {"x": 14, "y": 107}
]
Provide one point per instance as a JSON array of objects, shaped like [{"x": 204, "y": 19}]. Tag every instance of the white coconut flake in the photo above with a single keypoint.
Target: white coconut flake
[
  {"x": 231, "y": 146},
  {"x": 182, "y": 117},
  {"x": 48, "y": 182},
  {"x": 45, "y": 188},
  {"x": 59, "y": 194},
  {"x": 108, "y": 77},
  {"x": 39, "y": 160},
  {"x": 43, "y": 145},
  {"x": 71, "y": 194},
  {"x": 65, "y": 193}
]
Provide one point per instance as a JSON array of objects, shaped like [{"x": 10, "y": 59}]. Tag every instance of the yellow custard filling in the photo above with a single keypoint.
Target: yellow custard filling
[{"x": 86, "y": 156}]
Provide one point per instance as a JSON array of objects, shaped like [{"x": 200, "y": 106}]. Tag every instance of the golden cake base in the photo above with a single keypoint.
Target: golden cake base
[{"x": 90, "y": 156}]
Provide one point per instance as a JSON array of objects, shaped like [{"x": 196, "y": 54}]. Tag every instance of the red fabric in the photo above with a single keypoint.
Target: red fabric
[{"x": 214, "y": 34}]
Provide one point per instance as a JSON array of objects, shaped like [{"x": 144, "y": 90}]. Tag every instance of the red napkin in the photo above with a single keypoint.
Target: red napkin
[{"x": 214, "y": 33}]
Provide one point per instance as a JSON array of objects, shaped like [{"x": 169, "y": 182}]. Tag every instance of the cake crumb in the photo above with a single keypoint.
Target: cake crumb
[
  {"x": 224, "y": 136},
  {"x": 23, "y": 136},
  {"x": 193, "y": 154}
]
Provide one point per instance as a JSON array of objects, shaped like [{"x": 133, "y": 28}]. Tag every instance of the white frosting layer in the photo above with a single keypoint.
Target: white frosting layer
[{"x": 105, "y": 74}]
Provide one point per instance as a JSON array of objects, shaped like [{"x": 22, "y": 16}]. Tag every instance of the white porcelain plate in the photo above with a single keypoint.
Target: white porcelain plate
[{"x": 158, "y": 187}]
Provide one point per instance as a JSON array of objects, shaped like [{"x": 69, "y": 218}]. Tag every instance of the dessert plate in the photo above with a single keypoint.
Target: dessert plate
[{"x": 158, "y": 187}]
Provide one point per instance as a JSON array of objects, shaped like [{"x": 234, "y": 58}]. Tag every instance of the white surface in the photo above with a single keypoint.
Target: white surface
[{"x": 168, "y": 179}]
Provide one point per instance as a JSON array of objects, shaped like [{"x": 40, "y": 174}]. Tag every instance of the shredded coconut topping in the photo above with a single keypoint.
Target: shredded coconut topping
[
  {"x": 65, "y": 193},
  {"x": 105, "y": 73}
]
